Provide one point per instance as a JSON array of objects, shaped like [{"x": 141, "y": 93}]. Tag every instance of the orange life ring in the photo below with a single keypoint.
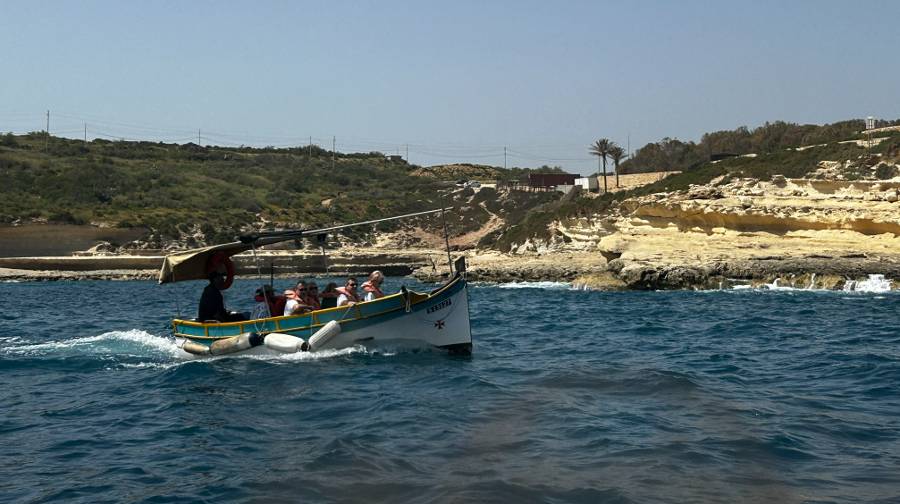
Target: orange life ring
[{"x": 216, "y": 261}]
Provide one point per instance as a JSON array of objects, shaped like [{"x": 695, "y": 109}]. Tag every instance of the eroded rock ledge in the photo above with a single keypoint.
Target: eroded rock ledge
[{"x": 716, "y": 235}]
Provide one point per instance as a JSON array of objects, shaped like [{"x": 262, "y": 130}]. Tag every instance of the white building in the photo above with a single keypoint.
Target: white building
[{"x": 587, "y": 183}]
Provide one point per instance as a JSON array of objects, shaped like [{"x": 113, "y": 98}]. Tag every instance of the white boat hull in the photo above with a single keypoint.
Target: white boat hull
[{"x": 439, "y": 319}]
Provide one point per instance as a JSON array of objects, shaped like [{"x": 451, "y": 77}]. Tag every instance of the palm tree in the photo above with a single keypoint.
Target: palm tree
[
  {"x": 616, "y": 153},
  {"x": 601, "y": 150}
]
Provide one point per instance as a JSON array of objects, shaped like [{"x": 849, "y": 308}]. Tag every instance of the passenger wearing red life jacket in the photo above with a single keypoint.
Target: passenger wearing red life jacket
[
  {"x": 266, "y": 294},
  {"x": 348, "y": 295},
  {"x": 372, "y": 287}
]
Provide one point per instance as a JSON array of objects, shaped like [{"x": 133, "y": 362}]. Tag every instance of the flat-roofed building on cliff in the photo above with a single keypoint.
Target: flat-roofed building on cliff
[{"x": 546, "y": 181}]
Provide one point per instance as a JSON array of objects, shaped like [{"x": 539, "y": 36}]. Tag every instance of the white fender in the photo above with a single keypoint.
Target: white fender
[
  {"x": 195, "y": 348},
  {"x": 235, "y": 343},
  {"x": 324, "y": 335},
  {"x": 284, "y": 342}
]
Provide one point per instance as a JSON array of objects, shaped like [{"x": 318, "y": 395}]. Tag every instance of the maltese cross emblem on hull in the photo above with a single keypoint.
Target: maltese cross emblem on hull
[{"x": 439, "y": 324}]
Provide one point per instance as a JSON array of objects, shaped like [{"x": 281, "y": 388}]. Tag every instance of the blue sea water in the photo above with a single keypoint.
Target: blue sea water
[{"x": 675, "y": 397}]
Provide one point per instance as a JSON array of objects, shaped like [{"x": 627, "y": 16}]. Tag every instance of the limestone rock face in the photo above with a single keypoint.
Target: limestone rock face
[
  {"x": 711, "y": 234},
  {"x": 704, "y": 192}
]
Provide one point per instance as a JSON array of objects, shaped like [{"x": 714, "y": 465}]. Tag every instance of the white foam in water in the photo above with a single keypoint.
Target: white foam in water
[
  {"x": 186, "y": 358},
  {"x": 535, "y": 285},
  {"x": 875, "y": 283},
  {"x": 312, "y": 356},
  {"x": 132, "y": 342},
  {"x": 161, "y": 351},
  {"x": 774, "y": 286}
]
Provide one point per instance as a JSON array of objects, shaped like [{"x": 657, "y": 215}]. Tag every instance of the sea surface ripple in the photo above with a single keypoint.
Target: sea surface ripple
[{"x": 570, "y": 396}]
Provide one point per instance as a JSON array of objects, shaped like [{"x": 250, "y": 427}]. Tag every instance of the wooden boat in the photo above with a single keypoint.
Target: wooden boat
[{"x": 439, "y": 318}]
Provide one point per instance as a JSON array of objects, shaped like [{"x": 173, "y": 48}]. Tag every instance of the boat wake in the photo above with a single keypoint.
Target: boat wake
[
  {"x": 139, "y": 349},
  {"x": 132, "y": 343}
]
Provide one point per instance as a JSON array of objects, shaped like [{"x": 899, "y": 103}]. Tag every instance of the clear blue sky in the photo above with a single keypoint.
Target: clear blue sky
[{"x": 456, "y": 81}]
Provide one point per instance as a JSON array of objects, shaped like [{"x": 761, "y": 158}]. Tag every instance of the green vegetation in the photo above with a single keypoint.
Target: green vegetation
[
  {"x": 170, "y": 188},
  {"x": 600, "y": 148},
  {"x": 671, "y": 154},
  {"x": 616, "y": 153},
  {"x": 481, "y": 173}
]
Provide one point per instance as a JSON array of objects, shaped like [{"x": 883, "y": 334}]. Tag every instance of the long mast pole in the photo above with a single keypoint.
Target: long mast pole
[{"x": 305, "y": 232}]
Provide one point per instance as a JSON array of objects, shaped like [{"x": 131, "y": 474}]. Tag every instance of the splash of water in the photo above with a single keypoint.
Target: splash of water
[
  {"x": 875, "y": 283},
  {"x": 131, "y": 343},
  {"x": 774, "y": 286},
  {"x": 153, "y": 351}
]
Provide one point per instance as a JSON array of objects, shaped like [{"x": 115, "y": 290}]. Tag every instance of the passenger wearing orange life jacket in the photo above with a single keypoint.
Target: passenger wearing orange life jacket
[
  {"x": 348, "y": 295},
  {"x": 296, "y": 300},
  {"x": 372, "y": 287}
]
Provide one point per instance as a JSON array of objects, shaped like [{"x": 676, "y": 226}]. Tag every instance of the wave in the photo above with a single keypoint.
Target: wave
[
  {"x": 874, "y": 284},
  {"x": 139, "y": 349},
  {"x": 134, "y": 342}
]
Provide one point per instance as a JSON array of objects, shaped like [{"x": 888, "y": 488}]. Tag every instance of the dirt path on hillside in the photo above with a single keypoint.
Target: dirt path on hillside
[{"x": 471, "y": 239}]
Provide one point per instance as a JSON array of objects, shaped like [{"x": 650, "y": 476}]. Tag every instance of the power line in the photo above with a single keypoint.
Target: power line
[{"x": 124, "y": 130}]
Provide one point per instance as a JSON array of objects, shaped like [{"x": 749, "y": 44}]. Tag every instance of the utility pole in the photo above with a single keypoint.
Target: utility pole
[
  {"x": 333, "y": 143},
  {"x": 198, "y": 137},
  {"x": 85, "y": 134},
  {"x": 47, "y": 139},
  {"x": 407, "y": 153},
  {"x": 309, "y": 150},
  {"x": 504, "y": 157}
]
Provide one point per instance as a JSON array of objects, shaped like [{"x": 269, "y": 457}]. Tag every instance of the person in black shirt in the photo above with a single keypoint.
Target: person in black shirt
[{"x": 212, "y": 304}]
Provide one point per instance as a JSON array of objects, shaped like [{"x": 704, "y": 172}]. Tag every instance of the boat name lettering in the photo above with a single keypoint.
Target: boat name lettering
[{"x": 440, "y": 306}]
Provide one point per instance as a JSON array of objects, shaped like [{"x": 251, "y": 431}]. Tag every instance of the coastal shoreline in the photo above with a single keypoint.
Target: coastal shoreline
[
  {"x": 589, "y": 270},
  {"x": 278, "y": 263}
]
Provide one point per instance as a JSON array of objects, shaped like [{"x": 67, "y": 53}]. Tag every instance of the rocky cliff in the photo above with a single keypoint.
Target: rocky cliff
[{"x": 735, "y": 229}]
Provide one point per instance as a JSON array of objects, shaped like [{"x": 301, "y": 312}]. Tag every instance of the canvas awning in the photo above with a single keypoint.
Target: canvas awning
[{"x": 191, "y": 264}]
